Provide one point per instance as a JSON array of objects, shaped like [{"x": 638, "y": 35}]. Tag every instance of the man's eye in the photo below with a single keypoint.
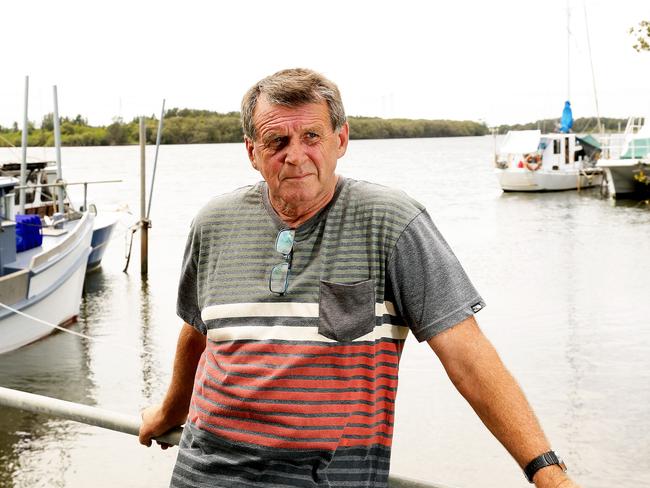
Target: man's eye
[
  {"x": 311, "y": 136},
  {"x": 276, "y": 142}
]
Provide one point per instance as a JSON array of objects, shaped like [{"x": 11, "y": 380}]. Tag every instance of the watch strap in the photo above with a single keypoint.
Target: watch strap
[{"x": 547, "y": 459}]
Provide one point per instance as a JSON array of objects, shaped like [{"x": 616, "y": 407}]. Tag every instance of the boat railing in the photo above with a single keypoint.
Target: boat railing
[
  {"x": 63, "y": 184},
  {"x": 127, "y": 424},
  {"x": 612, "y": 145}
]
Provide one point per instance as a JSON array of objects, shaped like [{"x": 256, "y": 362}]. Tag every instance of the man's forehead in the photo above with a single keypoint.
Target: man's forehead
[{"x": 267, "y": 114}]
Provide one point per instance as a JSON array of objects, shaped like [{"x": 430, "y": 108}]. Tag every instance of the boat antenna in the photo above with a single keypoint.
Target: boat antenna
[{"x": 593, "y": 75}]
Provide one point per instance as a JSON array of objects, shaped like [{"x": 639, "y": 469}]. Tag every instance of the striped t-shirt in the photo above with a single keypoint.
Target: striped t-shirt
[{"x": 298, "y": 390}]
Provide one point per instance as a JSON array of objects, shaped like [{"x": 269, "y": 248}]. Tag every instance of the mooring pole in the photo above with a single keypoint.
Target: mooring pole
[
  {"x": 144, "y": 223},
  {"x": 155, "y": 158}
]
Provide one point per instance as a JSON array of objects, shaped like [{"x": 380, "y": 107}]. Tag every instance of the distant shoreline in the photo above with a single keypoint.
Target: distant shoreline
[{"x": 187, "y": 126}]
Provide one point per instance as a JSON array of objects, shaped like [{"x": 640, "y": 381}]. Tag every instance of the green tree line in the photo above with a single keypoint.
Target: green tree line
[
  {"x": 188, "y": 126},
  {"x": 583, "y": 125}
]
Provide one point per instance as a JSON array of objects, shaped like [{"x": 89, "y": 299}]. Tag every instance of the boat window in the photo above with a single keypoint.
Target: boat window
[
  {"x": 557, "y": 148},
  {"x": 567, "y": 158}
]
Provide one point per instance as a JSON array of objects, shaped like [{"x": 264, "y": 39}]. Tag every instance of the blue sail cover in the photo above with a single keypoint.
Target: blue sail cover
[{"x": 567, "y": 118}]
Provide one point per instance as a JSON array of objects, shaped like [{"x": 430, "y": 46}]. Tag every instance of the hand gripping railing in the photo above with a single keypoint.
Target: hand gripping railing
[{"x": 127, "y": 424}]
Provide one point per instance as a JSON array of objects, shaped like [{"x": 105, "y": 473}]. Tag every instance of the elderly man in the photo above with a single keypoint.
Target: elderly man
[{"x": 297, "y": 294}]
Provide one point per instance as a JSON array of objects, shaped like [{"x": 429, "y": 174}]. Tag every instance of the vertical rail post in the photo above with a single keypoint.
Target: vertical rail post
[
  {"x": 23, "y": 163},
  {"x": 144, "y": 224},
  {"x": 57, "y": 145}
]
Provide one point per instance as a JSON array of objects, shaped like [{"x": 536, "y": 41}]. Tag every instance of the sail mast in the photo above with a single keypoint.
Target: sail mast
[
  {"x": 568, "y": 51},
  {"x": 593, "y": 74}
]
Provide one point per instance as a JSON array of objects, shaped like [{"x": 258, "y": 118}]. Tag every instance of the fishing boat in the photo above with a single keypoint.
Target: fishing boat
[
  {"x": 529, "y": 161},
  {"x": 42, "y": 270},
  {"x": 627, "y": 161},
  {"x": 42, "y": 199}
]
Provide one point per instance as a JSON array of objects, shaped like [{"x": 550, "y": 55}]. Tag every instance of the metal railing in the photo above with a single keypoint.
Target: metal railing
[
  {"x": 63, "y": 184},
  {"x": 127, "y": 424}
]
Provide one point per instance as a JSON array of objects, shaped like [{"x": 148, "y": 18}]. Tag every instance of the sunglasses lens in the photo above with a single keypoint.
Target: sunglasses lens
[
  {"x": 284, "y": 241},
  {"x": 279, "y": 278}
]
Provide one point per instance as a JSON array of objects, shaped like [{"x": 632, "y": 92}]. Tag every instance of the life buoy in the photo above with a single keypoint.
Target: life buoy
[{"x": 533, "y": 162}]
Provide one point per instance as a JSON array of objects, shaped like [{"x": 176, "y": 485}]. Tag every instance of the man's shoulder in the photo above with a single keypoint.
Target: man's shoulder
[
  {"x": 229, "y": 204},
  {"x": 380, "y": 199}
]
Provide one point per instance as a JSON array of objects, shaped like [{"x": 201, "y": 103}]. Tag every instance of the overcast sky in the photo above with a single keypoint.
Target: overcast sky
[{"x": 499, "y": 61}]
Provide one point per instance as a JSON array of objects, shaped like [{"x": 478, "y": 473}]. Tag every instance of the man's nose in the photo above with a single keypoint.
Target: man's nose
[{"x": 295, "y": 152}]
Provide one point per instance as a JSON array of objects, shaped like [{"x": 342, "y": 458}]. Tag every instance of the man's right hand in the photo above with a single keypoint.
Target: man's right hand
[
  {"x": 172, "y": 412},
  {"x": 153, "y": 425}
]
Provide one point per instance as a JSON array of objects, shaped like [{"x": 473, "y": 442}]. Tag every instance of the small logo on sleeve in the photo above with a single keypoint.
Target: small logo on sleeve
[{"x": 476, "y": 307}]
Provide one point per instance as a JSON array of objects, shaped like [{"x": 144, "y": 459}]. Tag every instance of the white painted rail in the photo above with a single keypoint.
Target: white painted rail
[{"x": 128, "y": 424}]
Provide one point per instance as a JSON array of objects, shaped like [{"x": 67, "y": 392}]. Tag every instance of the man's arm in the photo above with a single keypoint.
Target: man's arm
[
  {"x": 477, "y": 372},
  {"x": 158, "y": 419}
]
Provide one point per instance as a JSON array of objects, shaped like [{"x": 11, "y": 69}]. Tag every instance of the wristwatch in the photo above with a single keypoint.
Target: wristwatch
[{"x": 547, "y": 459}]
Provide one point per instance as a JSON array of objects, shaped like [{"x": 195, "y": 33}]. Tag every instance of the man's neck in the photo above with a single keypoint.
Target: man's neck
[{"x": 296, "y": 215}]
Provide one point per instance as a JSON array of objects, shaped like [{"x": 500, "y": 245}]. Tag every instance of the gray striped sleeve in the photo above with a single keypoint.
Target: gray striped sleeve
[
  {"x": 430, "y": 288},
  {"x": 187, "y": 305}
]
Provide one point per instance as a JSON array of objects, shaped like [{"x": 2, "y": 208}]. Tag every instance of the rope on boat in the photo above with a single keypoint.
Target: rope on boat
[
  {"x": 127, "y": 424},
  {"x": 145, "y": 350}
]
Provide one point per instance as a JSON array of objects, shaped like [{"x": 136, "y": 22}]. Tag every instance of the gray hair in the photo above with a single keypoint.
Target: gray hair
[{"x": 292, "y": 88}]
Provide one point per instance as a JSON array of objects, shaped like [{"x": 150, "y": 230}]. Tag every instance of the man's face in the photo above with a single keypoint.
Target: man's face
[{"x": 296, "y": 151}]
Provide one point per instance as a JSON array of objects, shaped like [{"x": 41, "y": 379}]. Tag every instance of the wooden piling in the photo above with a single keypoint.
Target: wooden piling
[{"x": 144, "y": 223}]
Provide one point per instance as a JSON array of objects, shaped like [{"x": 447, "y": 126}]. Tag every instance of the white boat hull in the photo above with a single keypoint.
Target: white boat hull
[
  {"x": 103, "y": 228},
  {"x": 59, "y": 307},
  {"x": 53, "y": 293},
  {"x": 522, "y": 179},
  {"x": 620, "y": 175}
]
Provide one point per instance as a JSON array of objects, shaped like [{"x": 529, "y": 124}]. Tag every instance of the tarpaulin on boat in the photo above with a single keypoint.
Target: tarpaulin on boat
[
  {"x": 590, "y": 146},
  {"x": 521, "y": 142},
  {"x": 589, "y": 140},
  {"x": 567, "y": 118}
]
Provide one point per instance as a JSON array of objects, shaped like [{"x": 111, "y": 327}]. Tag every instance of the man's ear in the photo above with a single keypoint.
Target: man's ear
[
  {"x": 250, "y": 149},
  {"x": 343, "y": 139}
]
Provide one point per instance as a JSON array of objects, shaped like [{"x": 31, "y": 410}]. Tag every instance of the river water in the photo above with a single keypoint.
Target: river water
[{"x": 566, "y": 277}]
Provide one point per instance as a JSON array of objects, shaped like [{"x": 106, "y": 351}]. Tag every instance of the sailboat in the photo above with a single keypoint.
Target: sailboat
[{"x": 529, "y": 161}]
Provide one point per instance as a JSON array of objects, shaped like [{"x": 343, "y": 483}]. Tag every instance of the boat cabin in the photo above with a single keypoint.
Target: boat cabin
[{"x": 549, "y": 152}]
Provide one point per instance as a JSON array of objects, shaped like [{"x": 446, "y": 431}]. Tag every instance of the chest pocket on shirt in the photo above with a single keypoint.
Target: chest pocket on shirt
[{"x": 346, "y": 311}]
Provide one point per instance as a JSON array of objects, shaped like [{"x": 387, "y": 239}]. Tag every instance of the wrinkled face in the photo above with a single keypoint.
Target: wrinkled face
[{"x": 296, "y": 151}]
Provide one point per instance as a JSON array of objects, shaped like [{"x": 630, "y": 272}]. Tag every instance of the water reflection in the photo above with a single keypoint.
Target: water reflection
[
  {"x": 57, "y": 366},
  {"x": 150, "y": 373}
]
